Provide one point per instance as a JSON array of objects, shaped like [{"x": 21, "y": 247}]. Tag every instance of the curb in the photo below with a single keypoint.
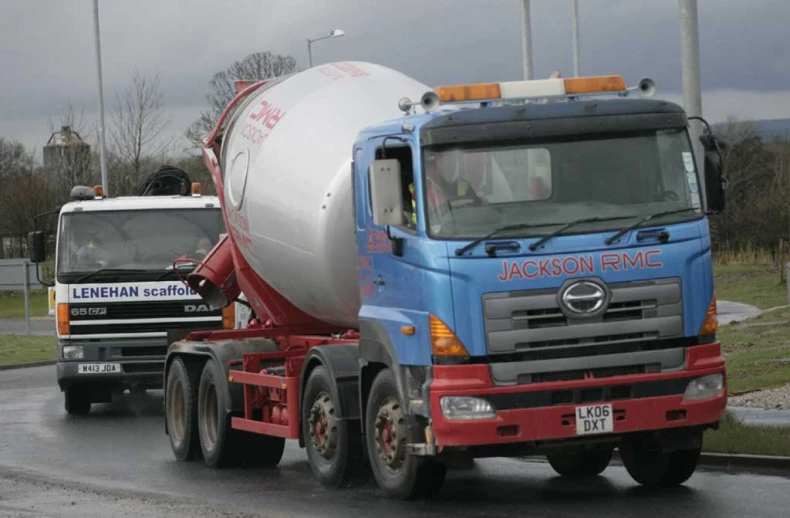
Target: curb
[
  {"x": 27, "y": 365},
  {"x": 728, "y": 463},
  {"x": 736, "y": 463}
]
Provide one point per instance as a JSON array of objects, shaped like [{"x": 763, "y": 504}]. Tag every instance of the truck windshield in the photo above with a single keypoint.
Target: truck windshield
[
  {"x": 111, "y": 246},
  {"x": 612, "y": 181}
]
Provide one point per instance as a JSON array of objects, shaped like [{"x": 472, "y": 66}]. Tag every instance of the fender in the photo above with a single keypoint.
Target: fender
[
  {"x": 376, "y": 352},
  {"x": 342, "y": 363},
  {"x": 227, "y": 354}
]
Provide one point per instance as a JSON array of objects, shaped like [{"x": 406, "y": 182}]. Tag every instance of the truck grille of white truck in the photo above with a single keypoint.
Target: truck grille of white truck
[{"x": 141, "y": 317}]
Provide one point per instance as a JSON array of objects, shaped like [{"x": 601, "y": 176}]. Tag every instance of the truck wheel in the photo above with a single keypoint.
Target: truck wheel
[
  {"x": 580, "y": 463},
  {"x": 256, "y": 450},
  {"x": 181, "y": 410},
  {"x": 334, "y": 447},
  {"x": 77, "y": 400},
  {"x": 221, "y": 445},
  {"x": 651, "y": 467},
  {"x": 397, "y": 473}
]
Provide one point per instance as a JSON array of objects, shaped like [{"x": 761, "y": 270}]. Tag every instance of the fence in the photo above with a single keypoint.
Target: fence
[{"x": 19, "y": 275}]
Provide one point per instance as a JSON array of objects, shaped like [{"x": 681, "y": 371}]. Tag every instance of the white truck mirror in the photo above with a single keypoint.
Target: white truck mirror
[{"x": 386, "y": 194}]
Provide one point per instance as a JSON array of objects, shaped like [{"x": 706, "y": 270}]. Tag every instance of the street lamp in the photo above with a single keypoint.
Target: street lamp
[
  {"x": 103, "y": 147},
  {"x": 337, "y": 33},
  {"x": 526, "y": 39}
]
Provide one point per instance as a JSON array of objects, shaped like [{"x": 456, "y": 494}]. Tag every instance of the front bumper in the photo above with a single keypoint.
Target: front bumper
[
  {"x": 142, "y": 362},
  {"x": 546, "y": 411}
]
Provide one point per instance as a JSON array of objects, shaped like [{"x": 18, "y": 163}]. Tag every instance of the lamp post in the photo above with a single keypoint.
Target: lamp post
[
  {"x": 526, "y": 39},
  {"x": 692, "y": 93},
  {"x": 575, "y": 23},
  {"x": 337, "y": 33},
  {"x": 102, "y": 145}
]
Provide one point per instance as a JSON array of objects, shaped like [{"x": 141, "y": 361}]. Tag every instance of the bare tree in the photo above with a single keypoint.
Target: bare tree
[
  {"x": 256, "y": 67},
  {"x": 13, "y": 158},
  {"x": 26, "y": 191},
  {"x": 757, "y": 214},
  {"x": 138, "y": 123}
]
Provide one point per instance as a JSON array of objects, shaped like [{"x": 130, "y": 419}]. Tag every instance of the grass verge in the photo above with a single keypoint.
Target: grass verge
[
  {"x": 735, "y": 437},
  {"x": 12, "y": 304},
  {"x": 753, "y": 350},
  {"x": 15, "y": 349},
  {"x": 755, "y": 284}
]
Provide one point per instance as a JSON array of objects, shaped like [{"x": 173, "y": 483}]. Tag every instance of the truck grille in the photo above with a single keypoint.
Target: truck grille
[
  {"x": 635, "y": 332},
  {"x": 125, "y": 317},
  {"x": 145, "y": 309}
]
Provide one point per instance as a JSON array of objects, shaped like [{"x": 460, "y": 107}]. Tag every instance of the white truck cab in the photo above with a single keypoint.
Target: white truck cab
[{"x": 118, "y": 293}]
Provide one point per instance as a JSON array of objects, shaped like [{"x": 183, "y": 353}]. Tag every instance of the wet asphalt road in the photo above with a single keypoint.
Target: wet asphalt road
[{"x": 118, "y": 461}]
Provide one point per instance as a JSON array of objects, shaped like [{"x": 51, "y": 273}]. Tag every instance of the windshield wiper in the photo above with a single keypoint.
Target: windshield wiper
[
  {"x": 507, "y": 228},
  {"x": 169, "y": 270},
  {"x": 102, "y": 271},
  {"x": 534, "y": 246},
  {"x": 644, "y": 220}
]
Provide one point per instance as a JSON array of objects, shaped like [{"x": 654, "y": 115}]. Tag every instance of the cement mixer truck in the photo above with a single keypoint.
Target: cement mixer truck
[{"x": 435, "y": 275}]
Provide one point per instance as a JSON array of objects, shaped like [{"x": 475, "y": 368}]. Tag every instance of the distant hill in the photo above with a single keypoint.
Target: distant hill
[
  {"x": 774, "y": 129},
  {"x": 769, "y": 129}
]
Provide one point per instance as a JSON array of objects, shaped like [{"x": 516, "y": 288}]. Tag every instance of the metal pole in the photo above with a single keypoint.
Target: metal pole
[
  {"x": 309, "y": 54},
  {"x": 102, "y": 148},
  {"x": 575, "y": 23},
  {"x": 692, "y": 94},
  {"x": 25, "y": 288},
  {"x": 526, "y": 41}
]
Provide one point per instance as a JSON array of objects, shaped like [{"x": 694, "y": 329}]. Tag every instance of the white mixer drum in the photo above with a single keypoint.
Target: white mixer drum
[{"x": 288, "y": 179}]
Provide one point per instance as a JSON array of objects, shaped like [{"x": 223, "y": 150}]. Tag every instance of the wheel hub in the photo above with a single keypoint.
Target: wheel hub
[
  {"x": 323, "y": 426},
  {"x": 391, "y": 434}
]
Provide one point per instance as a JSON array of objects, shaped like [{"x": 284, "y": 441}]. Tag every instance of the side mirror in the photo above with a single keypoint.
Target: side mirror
[
  {"x": 386, "y": 195},
  {"x": 35, "y": 246},
  {"x": 715, "y": 183}
]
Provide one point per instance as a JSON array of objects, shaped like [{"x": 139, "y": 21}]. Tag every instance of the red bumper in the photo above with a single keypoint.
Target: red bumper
[{"x": 523, "y": 422}]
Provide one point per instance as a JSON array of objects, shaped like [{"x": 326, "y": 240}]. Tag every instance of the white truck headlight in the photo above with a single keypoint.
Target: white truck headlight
[
  {"x": 458, "y": 408},
  {"x": 73, "y": 352},
  {"x": 704, "y": 387}
]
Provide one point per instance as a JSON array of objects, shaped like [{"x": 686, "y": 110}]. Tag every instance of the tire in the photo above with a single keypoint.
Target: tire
[
  {"x": 581, "y": 463},
  {"x": 181, "y": 410},
  {"x": 222, "y": 446},
  {"x": 396, "y": 472},
  {"x": 651, "y": 467},
  {"x": 255, "y": 450},
  {"x": 77, "y": 400},
  {"x": 334, "y": 447}
]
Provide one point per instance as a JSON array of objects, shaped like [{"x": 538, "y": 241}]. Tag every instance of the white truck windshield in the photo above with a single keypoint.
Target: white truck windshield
[
  {"x": 141, "y": 242},
  {"x": 471, "y": 191}
]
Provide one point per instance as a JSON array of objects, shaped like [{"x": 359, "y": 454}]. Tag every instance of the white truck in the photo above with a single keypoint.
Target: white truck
[{"x": 117, "y": 291}]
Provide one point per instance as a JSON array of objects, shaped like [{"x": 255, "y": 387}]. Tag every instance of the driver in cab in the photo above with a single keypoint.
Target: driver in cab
[
  {"x": 92, "y": 254},
  {"x": 446, "y": 183}
]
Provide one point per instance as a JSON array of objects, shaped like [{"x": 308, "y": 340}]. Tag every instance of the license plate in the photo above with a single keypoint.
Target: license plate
[
  {"x": 99, "y": 368},
  {"x": 594, "y": 419}
]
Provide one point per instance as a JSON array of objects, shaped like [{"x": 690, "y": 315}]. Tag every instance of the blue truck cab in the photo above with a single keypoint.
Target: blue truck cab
[{"x": 539, "y": 276}]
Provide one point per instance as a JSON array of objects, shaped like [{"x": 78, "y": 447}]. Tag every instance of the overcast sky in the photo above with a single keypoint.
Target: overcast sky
[{"x": 47, "y": 51}]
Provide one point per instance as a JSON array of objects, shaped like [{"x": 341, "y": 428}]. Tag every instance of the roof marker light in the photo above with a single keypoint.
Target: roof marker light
[
  {"x": 588, "y": 85},
  {"x": 555, "y": 86}
]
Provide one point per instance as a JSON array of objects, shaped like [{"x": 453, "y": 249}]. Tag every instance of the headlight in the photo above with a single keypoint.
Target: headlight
[
  {"x": 704, "y": 387},
  {"x": 457, "y": 408},
  {"x": 73, "y": 352}
]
